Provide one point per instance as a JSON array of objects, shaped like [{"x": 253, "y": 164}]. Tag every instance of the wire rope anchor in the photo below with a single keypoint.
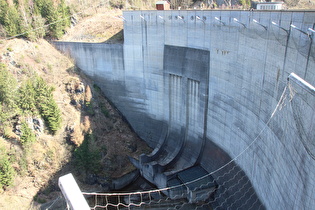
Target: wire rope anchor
[
  {"x": 298, "y": 29},
  {"x": 180, "y": 18},
  {"x": 219, "y": 19},
  {"x": 198, "y": 18},
  {"x": 255, "y": 21},
  {"x": 161, "y": 18},
  {"x": 277, "y": 25},
  {"x": 302, "y": 83},
  {"x": 142, "y": 17},
  {"x": 120, "y": 18},
  {"x": 311, "y": 30},
  {"x": 237, "y": 21}
]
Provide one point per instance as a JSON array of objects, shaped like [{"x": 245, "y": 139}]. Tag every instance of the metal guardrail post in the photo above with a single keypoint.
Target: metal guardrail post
[{"x": 72, "y": 193}]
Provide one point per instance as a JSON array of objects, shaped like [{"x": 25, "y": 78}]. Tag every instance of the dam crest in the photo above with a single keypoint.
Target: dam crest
[{"x": 213, "y": 93}]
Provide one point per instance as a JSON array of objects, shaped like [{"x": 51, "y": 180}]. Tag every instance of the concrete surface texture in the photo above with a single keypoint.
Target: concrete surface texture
[{"x": 210, "y": 88}]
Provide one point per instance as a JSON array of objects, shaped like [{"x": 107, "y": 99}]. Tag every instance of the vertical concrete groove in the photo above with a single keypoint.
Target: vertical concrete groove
[
  {"x": 309, "y": 52},
  {"x": 286, "y": 52}
]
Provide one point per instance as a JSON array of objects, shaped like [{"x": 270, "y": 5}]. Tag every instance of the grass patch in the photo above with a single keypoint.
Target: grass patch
[
  {"x": 40, "y": 200},
  {"x": 97, "y": 88},
  {"x": 37, "y": 59},
  {"x": 104, "y": 110},
  {"x": 89, "y": 108}
]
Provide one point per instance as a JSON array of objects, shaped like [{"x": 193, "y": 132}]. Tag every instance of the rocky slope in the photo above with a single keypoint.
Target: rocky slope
[{"x": 93, "y": 144}]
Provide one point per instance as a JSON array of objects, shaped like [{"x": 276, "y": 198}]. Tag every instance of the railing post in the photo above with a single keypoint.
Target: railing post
[{"x": 72, "y": 193}]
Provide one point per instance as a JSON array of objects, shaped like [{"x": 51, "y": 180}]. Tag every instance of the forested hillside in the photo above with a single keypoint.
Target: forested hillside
[
  {"x": 53, "y": 120},
  {"x": 27, "y": 17}
]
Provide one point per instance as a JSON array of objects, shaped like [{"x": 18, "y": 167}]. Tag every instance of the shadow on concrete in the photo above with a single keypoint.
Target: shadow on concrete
[{"x": 117, "y": 38}]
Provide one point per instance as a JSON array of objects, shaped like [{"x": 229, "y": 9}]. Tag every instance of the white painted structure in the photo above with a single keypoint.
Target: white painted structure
[
  {"x": 72, "y": 193},
  {"x": 269, "y": 5}
]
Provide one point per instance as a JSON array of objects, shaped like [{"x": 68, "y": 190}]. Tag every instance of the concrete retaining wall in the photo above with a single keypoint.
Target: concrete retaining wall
[{"x": 228, "y": 102}]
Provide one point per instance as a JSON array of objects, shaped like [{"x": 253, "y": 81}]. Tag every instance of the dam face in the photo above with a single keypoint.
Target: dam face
[{"x": 210, "y": 89}]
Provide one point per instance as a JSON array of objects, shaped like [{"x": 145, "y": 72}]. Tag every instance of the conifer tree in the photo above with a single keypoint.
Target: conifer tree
[
  {"x": 6, "y": 170},
  {"x": 11, "y": 21}
]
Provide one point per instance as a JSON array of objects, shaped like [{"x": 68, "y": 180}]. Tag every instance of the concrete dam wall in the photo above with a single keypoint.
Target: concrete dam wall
[{"x": 211, "y": 89}]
